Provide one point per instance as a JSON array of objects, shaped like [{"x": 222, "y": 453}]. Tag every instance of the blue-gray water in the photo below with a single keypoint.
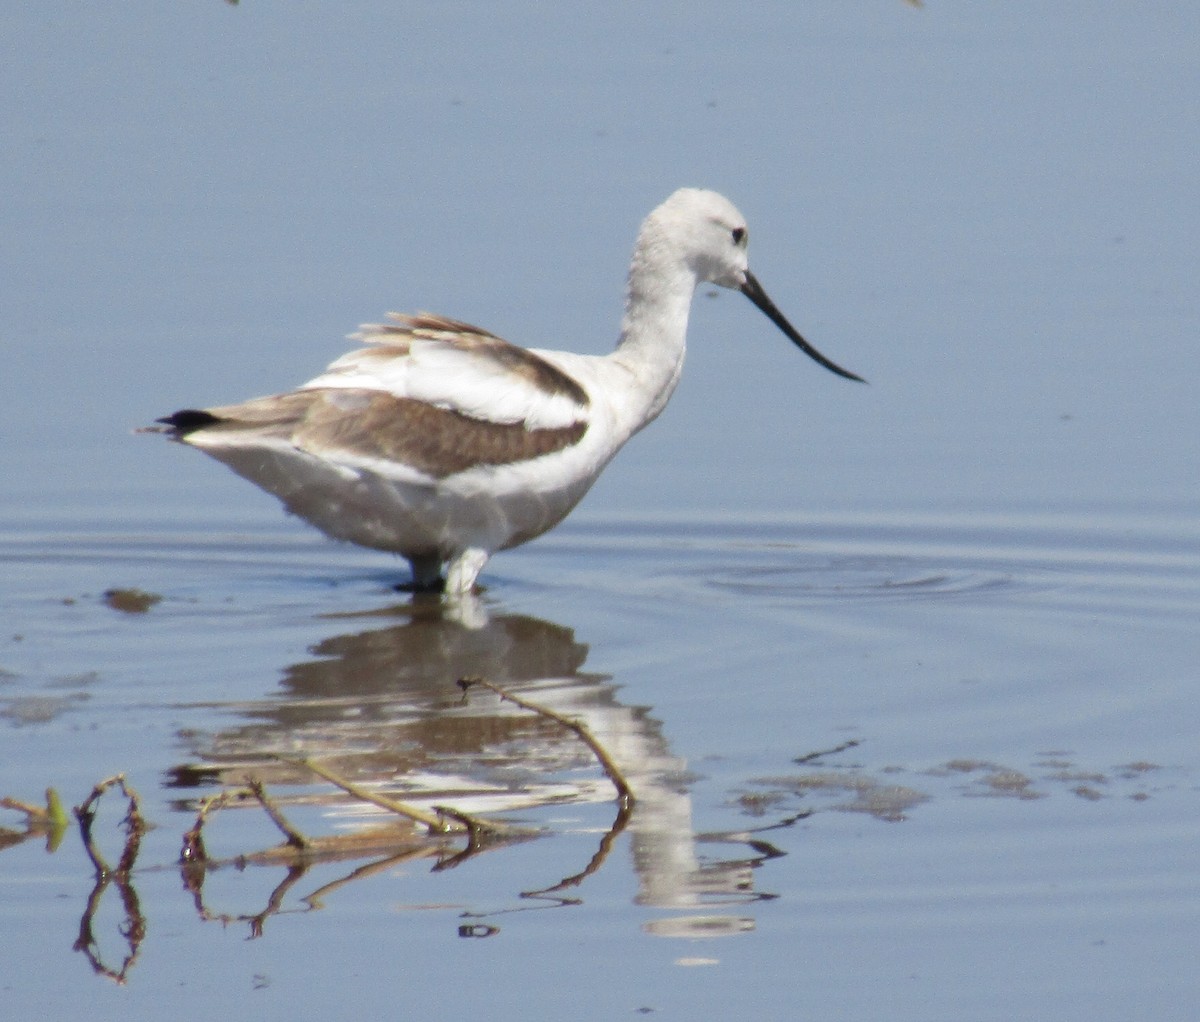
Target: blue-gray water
[{"x": 984, "y": 568}]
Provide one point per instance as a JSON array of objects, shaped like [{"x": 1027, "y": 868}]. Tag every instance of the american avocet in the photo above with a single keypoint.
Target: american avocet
[{"x": 444, "y": 443}]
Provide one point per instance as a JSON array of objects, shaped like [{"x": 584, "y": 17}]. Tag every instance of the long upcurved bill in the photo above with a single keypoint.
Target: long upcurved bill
[{"x": 752, "y": 289}]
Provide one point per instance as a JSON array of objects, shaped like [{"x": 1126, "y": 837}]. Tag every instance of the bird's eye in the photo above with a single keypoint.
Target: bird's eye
[{"x": 739, "y": 235}]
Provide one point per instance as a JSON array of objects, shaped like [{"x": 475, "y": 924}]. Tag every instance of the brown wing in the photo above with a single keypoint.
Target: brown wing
[{"x": 352, "y": 424}]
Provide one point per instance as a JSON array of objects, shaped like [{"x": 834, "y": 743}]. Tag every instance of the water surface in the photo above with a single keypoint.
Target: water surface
[{"x": 892, "y": 747}]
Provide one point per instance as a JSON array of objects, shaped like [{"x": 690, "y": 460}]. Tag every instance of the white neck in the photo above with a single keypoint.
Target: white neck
[{"x": 654, "y": 328}]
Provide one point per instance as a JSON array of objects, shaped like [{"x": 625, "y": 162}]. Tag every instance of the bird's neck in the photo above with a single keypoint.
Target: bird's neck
[{"x": 654, "y": 329}]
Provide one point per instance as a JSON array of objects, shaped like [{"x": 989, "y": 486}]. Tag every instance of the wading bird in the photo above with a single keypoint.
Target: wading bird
[{"x": 443, "y": 443}]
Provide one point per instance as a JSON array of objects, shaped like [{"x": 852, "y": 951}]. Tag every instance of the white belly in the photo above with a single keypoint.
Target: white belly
[{"x": 386, "y": 507}]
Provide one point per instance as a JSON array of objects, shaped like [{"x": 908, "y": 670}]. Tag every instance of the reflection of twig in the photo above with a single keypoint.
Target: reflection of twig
[
  {"x": 813, "y": 756},
  {"x": 195, "y": 874},
  {"x": 194, "y": 882},
  {"x": 477, "y": 834},
  {"x": 299, "y": 852},
  {"x": 624, "y": 811},
  {"x": 624, "y": 792},
  {"x": 744, "y": 836},
  {"x": 314, "y": 900},
  {"x": 274, "y": 906},
  {"x": 134, "y": 927},
  {"x": 625, "y": 797}
]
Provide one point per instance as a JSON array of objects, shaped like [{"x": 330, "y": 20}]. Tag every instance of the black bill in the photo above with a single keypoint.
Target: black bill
[{"x": 752, "y": 289}]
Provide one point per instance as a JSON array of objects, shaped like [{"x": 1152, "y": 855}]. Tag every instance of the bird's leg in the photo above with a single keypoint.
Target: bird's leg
[
  {"x": 463, "y": 570},
  {"x": 426, "y": 575}
]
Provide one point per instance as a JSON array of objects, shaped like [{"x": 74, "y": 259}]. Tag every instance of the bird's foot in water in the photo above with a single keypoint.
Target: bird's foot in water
[{"x": 423, "y": 587}]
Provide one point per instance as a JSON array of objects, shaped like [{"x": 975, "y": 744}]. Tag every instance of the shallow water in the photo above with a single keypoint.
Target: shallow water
[
  {"x": 903, "y": 677},
  {"x": 933, "y": 763}
]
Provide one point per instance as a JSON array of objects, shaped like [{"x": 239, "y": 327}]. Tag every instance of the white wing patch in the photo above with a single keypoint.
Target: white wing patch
[
  {"x": 478, "y": 385},
  {"x": 455, "y": 366}
]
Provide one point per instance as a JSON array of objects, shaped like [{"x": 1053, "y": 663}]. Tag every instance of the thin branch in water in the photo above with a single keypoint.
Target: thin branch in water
[
  {"x": 133, "y": 822},
  {"x": 625, "y": 796},
  {"x": 194, "y": 853},
  {"x": 477, "y": 837},
  {"x": 435, "y": 822},
  {"x": 293, "y": 837},
  {"x": 134, "y": 927},
  {"x": 611, "y": 770},
  {"x": 812, "y": 757}
]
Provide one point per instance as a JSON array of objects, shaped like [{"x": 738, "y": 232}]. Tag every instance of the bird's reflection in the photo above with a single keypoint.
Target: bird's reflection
[{"x": 378, "y": 704}]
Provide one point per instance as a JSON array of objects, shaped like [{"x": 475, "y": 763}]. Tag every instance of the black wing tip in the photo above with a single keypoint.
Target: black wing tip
[{"x": 188, "y": 420}]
